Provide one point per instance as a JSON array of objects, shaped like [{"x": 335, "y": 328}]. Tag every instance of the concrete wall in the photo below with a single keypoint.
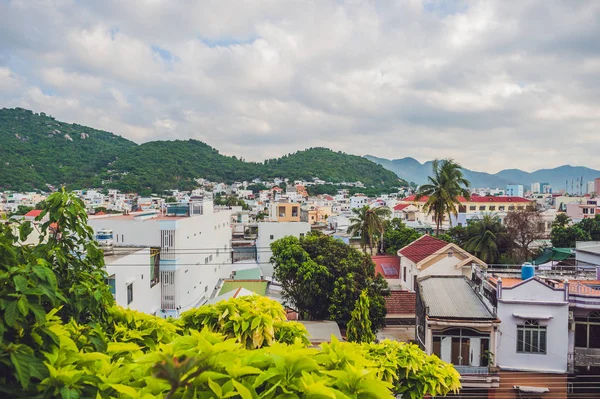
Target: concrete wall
[
  {"x": 129, "y": 269},
  {"x": 276, "y": 230},
  {"x": 556, "y": 383}
]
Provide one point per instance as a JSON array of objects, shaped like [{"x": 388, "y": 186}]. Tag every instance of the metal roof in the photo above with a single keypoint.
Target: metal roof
[{"x": 452, "y": 297}]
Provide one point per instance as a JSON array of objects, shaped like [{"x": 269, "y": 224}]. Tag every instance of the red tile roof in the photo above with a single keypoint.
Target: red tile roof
[
  {"x": 33, "y": 213},
  {"x": 387, "y": 265},
  {"x": 401, "y": 302},
  {"x": 422, "y": 248},
  {"x": 476, "y": 199},
  {"x": 399, "y": 207}
]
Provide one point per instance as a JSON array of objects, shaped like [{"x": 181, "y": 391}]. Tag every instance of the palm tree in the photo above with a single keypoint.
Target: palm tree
[
  {"x": 368, "y": 223},
  {"x": 486, "y": 234},
  {"x": 443, "y": 191}
]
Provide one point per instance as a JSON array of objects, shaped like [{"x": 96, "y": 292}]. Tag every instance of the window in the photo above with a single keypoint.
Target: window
[
  {"x": 587, "y": 331},
  {"x": 271, "y": 236},
  {"x": 531, "y": 338},
  {"x": 301, "y": 235},
  {"x": 511, "y": 208},
  {"x": 501, "y": 207},
  {"x": 482, "y": 208},
  {"x": 462, "y": 346},
  {"x": 472, "y": 208},
  {"x": 404, "y": 274},
  {"x": 112, "y": 285},
  {"x": 492, "y": 207},
  {"x": 450, "y": 254},
  {"x": 520, "y": 208},
  {"x": 129, "y": 293}
]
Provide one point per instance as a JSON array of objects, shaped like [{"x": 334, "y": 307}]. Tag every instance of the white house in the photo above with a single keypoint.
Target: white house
[
  {"x": 429, "y": 256},
  {"x": 194, "y": 243},
  {"x": 134, "y": 278},
  {"x": 268, "y": 232},
  {"x": 533, "y": 335}
]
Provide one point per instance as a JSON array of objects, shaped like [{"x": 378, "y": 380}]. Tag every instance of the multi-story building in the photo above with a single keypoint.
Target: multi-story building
[
  {"x": 515, "y": 190},
  {"x": 587, "y": 208},
  {"x": 194, "y": 243},
  {"x": 267, "y": 233},
  {"x": 284, "y": 212}
]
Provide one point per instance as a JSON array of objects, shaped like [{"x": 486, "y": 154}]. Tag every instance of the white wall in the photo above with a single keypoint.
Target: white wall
[
  {"x": 129, "y": 269},
  {"x": 536, "y": 297},
  {"x": 277, "y": 230},
  {"x": 130, "y": 232}
]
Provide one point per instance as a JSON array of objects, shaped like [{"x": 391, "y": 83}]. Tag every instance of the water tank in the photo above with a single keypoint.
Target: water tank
[{"x": 527, "y": 271}]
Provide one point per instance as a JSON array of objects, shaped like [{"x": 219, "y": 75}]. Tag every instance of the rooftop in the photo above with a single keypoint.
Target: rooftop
[
  {"x": 257, "y": 286},
  {"x": 422, "y": 248},
  {"x": 477, "y": 199},
  {"x": 452, "y": 297}
]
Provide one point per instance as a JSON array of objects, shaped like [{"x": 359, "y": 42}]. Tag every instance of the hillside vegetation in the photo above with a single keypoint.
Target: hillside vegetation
[{"x": 38, "y": 150}]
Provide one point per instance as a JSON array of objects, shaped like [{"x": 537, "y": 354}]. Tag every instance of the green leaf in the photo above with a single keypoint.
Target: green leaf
[
  {"x": 216, "y": 388},
  {"x": 114, "y": 347},
  {"x": 24, "y": 230},
  {"x": 10, "y": 313},
  {"x": 69, "y": 393},
  {"x": 124, "y": 389},
  {"x": 20, "y": 362},
  {"x": 242, "y": 390},
  {"x": 20, "y": 283},
  {"x": 23, "y": 305},
  {"x": 38, "y": 311}
]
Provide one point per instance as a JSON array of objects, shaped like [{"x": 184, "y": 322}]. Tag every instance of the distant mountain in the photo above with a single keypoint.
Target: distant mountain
[
  {"x": 161, "y": 165},
  {"x": 36, "y": 150},
  {"x": 413, "y": 171}
]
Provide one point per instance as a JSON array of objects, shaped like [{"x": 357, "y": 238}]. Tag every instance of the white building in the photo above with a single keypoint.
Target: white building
[
  {"x": 514, "y": 190},
  {"x": 533, "y": 335},
  {"x": 269, "y": 232},
  {"x": 358, "y": 201},
  {"x": 134, "y": 278},
  {"x": 536, "y": 188},
  {"x": 194, "y": 243}
]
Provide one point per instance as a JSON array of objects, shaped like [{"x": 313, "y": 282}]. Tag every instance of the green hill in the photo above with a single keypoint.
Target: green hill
[{"x": 36, "y": 149}]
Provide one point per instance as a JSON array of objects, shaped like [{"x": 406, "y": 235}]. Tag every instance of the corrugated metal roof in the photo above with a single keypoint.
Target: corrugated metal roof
[{"x": 452, "y": 297}]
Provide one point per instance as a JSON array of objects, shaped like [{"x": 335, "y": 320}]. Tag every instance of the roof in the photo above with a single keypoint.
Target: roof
[
  {"x": 477, "y": 199},
  {"x": 422, "y": 248},
  {"x": 248, "y": 274},
  {"x": 401, "y": 302},
  {"x": 257, "y": 286},
  {"x": 452, "y": 297},
  {"x": 399, "y": 207},
  {"x": 553, "y": 254},
  {"x": 33, "y": 213},
  {"x": 387, "y": 265},
  {"x": 321, "y": 331},
  {"x": 237, "y": 293}
]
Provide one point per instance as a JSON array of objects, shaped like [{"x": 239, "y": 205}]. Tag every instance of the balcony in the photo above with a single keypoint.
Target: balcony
[
  {"x": 586, "y": 357},
  {"x": 478, "y": 377}
]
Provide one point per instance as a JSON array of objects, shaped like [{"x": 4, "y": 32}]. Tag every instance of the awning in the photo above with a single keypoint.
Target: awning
[
  {"x": 526, "y": 389},
  {"x": 554, "y": 255},
  {"x": 535, "y": 316}
]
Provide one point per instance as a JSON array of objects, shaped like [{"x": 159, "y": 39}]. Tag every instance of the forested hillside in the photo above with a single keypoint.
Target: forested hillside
[{"x": 37, "y": 150}]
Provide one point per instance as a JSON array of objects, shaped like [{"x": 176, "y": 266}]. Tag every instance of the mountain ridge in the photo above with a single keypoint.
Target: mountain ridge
[
  {"x": 38, "y": 150},
  {"x": 414, "y": 171}
]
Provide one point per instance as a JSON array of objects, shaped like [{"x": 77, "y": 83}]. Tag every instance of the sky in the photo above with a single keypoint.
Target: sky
[{"x": 492, "y": 84}]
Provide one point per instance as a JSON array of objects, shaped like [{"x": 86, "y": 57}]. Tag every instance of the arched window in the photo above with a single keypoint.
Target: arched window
[{"x": 587, "y": 331}]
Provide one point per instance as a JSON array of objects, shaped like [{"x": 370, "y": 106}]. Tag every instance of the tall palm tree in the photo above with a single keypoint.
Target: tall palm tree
[
  {"x": 368, "y": 223},
  {"x": 443, "y": 191},
  {"x": 486, "y": 234}
]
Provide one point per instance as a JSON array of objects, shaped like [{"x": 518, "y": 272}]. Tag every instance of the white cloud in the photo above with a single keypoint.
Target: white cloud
[{"x": 488, "y": 83}]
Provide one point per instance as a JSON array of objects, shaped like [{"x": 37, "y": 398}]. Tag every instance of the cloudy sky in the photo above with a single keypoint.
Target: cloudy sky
[{"x": 493, "y": 84}]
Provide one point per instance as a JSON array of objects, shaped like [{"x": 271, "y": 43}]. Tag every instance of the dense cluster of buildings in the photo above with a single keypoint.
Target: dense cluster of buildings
[{"x": 523, "y": 332}]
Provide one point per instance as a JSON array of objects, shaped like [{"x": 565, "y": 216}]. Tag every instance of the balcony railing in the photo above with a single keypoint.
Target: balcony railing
[
  {"x": 472, "y": 370},
  {"x": 586, "y": 357}
]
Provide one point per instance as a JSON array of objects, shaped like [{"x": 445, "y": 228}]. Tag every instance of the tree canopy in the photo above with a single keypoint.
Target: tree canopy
[
  {"x": 443, "y": 190},
  {"x": 323, "y": 277}
]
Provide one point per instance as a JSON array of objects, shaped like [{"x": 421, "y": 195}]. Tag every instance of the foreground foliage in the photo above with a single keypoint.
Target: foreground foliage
[{"x": 61, "y": 336}]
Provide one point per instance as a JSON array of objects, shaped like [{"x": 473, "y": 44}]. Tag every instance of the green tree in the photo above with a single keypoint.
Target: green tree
[
  {"x": 359, "y": 326},
  {"x": 443, "y": 191},
  {"x": 486, "y": 233},
  {"x": 561, "y": 220},
  {"x": 23, "y": 209},
  {"x": 323, "y": 277},
  {"x": 368, "y": 223},
  {"x": 397, "y": 235},
  {"x": 566, "y": 237}
]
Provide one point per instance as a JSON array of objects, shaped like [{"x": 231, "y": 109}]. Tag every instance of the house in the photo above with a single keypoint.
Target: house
[
  {"x": 588, "y": 208},
  {"x": 429, "y": 256},
  {"x": 405, "y": 212},
  {"x": 32, "y": 214},
  {"x": 131, "y": 285},
  {"x": 284, "y": 212},
  {"x": 194, "y": 242},
  {"x": 267, "y": 233},
  {"x": 587, "y": 253},
  {"x": 533, "y": 339},
  {"x": 459, "y": 326},
  {"x": 315, "y": 214}
]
